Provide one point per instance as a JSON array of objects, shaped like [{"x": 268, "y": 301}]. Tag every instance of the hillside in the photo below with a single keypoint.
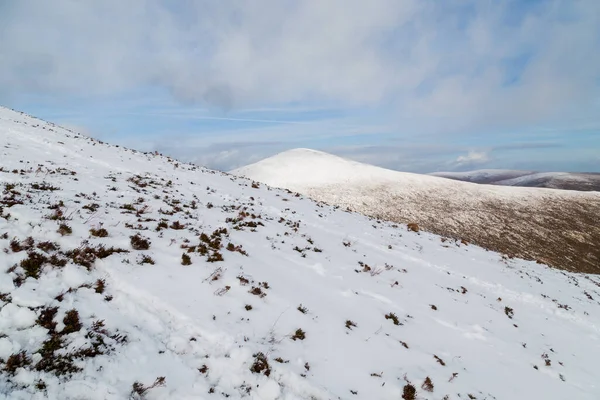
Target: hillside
[
  {"x": 552, "y": 180},
  {"x": 556, "y": 227},
  {"x": 132, "y": 275}
]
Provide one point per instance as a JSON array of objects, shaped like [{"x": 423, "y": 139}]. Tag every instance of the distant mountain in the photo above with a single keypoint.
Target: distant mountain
[
  {"x": 557, "y": 227},
  {"x": 553, "y": 180}
]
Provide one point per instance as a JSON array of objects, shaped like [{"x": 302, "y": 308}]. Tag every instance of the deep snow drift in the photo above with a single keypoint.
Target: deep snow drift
[
  {"x": 556, "y": 227},
  {"x": 130, "y": 275}
]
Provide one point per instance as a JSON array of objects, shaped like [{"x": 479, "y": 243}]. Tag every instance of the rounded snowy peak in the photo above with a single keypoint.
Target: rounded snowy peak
[{"x": 309, "y": 168}]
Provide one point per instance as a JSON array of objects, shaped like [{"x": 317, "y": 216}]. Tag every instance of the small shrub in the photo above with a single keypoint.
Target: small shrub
[
  {"x": 99, "y": 286},
  {"x": 46, "y": 318},
  {"x": 86, "y": 255},
  {"x": 16, "y": 361},
  {"x": 92, "y": 207},
  {"x": 427, "y": 385},
  {"x": 302, "y": 309},
  {"x": 350, "y": 324},
  {"x": 264, "y": 285},
  {"x": 64, "y": 229},
  {"x": 409, "y": 392},
  {"x": 32, "y": 265},
  {"x": 57, "y": 261},
  {"x": 162, "y": 225},
  {"x": 47, "y": 246},
  {"x": 546, "y": 359},
  {"x": 257, "y": 292},
  {"x": 57, "y": 215},
  {"x": 203, "y": 249},
  {"x": 17, "y": 246},
  {"x": 99, "y": 232},
  {"x": 40, "y": 385},
  {"x": 433, "y": 307},
  {"x": 146, "y": 259},
  {"x": 248, "y": 307},
  {"x": 140, "y": 389},
  {"x": 5, "y": 297},
  {"x": 509, "y": 312},
  {"x": 139, "y": 243},
  {"x": 128, "y": 207},
  {"x": 215, "y": 256},
  {"x": 177, "y": 225},
  {"x": 71, "y": 321},
  {"x": 185, "y": 259},
  {"x": 299, "y": 335},
  {"x": 439, "y": 360},
  {"x": 260, "y": 365},
  {"x": 44, "y": 186},
  {"x": 393, "y": 317}
]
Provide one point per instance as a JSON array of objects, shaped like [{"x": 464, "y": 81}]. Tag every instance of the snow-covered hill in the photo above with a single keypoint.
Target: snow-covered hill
[
  {"x": 552, "y": 180},
  {"x": 556, "y": 227},
  {"x": 131, "y": 275}
]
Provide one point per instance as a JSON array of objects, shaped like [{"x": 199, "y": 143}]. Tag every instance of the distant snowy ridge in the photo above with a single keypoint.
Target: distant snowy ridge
[
  {"x": 553, "y": 180},
  {"x": 557, "y": 227},
  {"x": 485, "y": 176}
]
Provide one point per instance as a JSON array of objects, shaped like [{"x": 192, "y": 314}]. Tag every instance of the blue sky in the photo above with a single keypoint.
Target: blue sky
[{"x": 413, "y": 85}]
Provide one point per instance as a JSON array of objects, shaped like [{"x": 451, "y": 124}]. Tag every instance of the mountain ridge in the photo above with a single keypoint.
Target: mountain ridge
[
  {"x": 579, "y": 181},
  {"x": 552, "y": 226}
]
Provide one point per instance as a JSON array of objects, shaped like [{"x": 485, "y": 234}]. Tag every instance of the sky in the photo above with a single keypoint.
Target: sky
[{"x": 412, "y": 85}]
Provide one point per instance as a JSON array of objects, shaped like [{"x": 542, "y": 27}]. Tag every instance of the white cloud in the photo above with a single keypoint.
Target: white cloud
[
  {"x": 444, "y": 64},
  {"x": 473, "y": 158}
]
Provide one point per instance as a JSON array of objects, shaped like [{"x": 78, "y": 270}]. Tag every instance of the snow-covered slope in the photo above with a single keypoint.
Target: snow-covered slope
[
  {"x": 282, "y": 297},
  {"x": 557, "y": 227},
  {"x": 552, "y": 180}
]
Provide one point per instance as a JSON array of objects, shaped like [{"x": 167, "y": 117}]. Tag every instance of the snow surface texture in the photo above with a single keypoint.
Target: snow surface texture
[
  {"x": 556, "y": 227},
  {"x": 309, "y": 302},
  {"x": 553, "y": 180}
]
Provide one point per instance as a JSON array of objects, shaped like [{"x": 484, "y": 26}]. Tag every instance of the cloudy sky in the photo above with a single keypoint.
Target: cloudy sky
[{"x": 415, "y": 85}]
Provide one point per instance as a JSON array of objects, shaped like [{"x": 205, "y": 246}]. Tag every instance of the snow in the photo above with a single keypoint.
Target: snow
[
  {"x": 16, "y": 317},
  {"x": 196, "y": 331}
]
